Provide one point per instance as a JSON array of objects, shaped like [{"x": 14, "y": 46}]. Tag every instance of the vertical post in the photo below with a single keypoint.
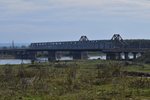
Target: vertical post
[
  {"x": 134, "y": 55},
  {"x": 51, "y": 55},
  {"x": 31, "y": 55},
  {"x": 111, "y": 56},
  {"x": 84, "y": 55},
  {"x": 126, "y": 55},
  {"x": 119, "y": 56},
  {"x": 107, "y": 56},
  {"x": 76, "y": 54}
]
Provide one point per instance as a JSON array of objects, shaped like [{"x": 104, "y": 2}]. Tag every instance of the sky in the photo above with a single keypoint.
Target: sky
[{"x": 26, "y": 21}]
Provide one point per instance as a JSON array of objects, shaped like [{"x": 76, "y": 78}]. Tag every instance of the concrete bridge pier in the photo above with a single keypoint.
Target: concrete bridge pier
[
  {"x": 119, "y": 57},
  {"x": 76, "y": 55},
  {"x": 126, "y": 55},
  {"x": 31, "y": 55},
  {"x": 51, "y": 55},
  {"x": 113, "y": 56},
  {"x": 20, "y": 55},
  {"x": 110, "y": 56},
  {"x": 134, "y": 55},
  {"x": 84, "y": 55},
  {"x": 79, "y": 55},
  {"x": 25, "y": 55}
]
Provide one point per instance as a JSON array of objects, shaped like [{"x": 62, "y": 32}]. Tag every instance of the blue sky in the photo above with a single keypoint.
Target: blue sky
[{"x": 59, "y": 20}]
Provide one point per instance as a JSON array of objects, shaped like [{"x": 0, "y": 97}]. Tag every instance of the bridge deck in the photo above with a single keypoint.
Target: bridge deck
[{"x": 92, "y": 45}]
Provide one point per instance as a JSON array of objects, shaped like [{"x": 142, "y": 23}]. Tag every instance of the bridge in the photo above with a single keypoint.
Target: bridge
[{"x": 113, "y": 48}]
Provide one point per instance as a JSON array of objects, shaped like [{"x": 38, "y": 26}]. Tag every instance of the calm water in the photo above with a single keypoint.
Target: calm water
[
  {"x": 19, "y": 61},
  {"x": 13, "y": 61}
]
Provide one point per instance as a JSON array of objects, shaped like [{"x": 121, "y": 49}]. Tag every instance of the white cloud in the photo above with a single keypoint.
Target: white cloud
[
  {"x": 21, "y": 6},
  {"x": 73, "y": 16},
  {"x": 31, "y": 5},
  {"x": 134, "y": 8}
]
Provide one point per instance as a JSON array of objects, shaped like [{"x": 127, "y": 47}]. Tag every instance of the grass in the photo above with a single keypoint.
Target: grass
[
  {"x": 73, "y": 80},
  {"x": 138, "y": 68}
]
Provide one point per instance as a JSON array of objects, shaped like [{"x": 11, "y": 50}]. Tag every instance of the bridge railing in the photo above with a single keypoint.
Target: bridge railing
[{"x": 97, "y": 44}]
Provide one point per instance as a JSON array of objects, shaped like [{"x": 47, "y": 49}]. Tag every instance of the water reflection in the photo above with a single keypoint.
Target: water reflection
[
  {"x": 19, "y": 61},
  {"x": 13, "y": 61}
]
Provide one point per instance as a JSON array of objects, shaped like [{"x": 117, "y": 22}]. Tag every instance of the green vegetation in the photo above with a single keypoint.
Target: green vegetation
[
  {"x": 144, "y": 58},
  {"x": 74, "y": 80}
]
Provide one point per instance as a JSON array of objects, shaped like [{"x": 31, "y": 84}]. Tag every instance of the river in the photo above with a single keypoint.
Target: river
[
  {"x": 13, "y": 61},
  {"x": 19, "y": 61}
]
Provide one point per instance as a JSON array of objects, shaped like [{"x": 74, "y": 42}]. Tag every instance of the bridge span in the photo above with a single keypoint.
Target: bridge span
[{"x": 113, "y": 48}]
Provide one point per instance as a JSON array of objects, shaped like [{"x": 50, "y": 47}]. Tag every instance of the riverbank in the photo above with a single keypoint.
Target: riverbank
[{"x": 75, "y": 80}]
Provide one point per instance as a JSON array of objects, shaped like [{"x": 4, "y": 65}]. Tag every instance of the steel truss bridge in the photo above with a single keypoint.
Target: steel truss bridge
[{"x": 113, "y": 48}]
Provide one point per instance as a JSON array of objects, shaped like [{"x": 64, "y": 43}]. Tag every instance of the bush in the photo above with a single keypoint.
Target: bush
[{"x": 145, "y": 58}]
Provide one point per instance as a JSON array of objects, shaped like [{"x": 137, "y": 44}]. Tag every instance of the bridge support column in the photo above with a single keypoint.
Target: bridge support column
[
  {"x": 110, "y": 56},
  {"x": 79, "y": 55},
  {"x": 25, "y": 55},
  {"x": 119, "y": 56},
  {"x": 51, "y": 55},
  {"x": 32, "y": 56},
  {"x": 134, "y": 55},
  {"x": 84, "y": 55},
  {"x": 107, "y": 56},
  {"x": 126, "y": 55},
  {"x": 76, "y": 55}
]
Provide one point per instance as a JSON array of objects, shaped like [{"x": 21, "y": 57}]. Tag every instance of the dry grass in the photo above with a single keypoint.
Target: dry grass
[{"x": 82, "y": 80}]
